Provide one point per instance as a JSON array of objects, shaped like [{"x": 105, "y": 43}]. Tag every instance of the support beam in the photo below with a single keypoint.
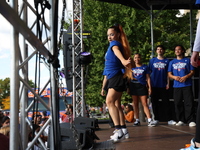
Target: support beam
[{"x": 22, "y": 28}]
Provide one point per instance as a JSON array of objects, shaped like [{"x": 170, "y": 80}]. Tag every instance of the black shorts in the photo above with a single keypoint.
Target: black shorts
[
  {"x": 138, "y": 89},
  {"x": 118, "y": 83}
]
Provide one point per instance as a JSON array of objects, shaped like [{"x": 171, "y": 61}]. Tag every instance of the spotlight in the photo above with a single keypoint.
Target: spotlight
[{"x": 84, "y": 58}]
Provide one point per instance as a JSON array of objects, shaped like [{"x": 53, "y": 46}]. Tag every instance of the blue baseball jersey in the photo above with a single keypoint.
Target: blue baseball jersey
[
  {"x": 158, "y": 69},
  {"x": 113, "y": 65},
  {"x": 140, "y": 73},
  {"x": 181, "y": 68}
]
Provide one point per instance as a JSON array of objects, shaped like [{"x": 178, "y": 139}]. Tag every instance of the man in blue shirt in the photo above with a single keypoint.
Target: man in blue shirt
[
  {"x": 160, "y": 84},
  {"x": 181, "y": 71}
]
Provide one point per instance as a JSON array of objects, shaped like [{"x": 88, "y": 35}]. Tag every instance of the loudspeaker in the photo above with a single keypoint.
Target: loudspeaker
[
  {"x": 85, "y": 128},
  {"x": 68, "y": 141},
  {"x": 85, "y": 123}
]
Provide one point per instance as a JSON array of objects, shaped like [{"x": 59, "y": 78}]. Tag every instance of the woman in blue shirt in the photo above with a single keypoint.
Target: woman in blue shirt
[
  {"x": 140, "y": 88},
  {"x": 116, "y": 59}
]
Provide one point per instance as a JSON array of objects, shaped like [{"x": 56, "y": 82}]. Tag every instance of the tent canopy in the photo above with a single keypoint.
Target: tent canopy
[{"x": 156, "y": 4}]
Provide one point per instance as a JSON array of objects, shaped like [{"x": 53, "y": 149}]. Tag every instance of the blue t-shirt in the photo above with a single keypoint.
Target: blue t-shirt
[
  {"x": 158, "y": 69},
  {"x": 140, "y": 73},
  {"x": 181, "y": 68},
  {"x": 113, "y": 65}
]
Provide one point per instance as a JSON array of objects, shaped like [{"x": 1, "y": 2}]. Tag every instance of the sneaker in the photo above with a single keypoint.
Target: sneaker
[
  {"x": 191, "y": 147},
  {"x": 180, "y": 123},
  {"x": 113, "y": 133},
  {"x": 192, "y": 124},
  {"x": 117, "y": 137},
  {"x": 152, "y": 123},
  {"x": 126, "y": 134},
  {"x": 171, "y": 122},
  {"x": 192, "y": 142},
  {"x": 156, "y": 122},
  {"x": 136, "y": 123}
]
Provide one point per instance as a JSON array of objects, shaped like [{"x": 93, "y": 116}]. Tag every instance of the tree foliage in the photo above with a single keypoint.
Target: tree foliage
[
  {"x": 5, "y": 89},
  {"x": 169, "y": 30}
]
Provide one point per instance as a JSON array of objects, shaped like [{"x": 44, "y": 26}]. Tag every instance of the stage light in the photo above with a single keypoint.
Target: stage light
[{"x": 84, "y": 58}]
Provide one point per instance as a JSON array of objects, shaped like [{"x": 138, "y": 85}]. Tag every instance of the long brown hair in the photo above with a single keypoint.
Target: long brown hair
[{"x": 127, "y": 51}]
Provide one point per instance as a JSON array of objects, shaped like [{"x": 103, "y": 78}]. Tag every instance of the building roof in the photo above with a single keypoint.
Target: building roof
[{"x": 156, "y": 4}]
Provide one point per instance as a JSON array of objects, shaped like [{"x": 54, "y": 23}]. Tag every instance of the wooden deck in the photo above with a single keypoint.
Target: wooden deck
[{"x": 161, "y": 137}]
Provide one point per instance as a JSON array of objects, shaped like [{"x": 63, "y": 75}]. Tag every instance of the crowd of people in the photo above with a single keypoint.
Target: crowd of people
[
  {"x": 4, "y": 130},
  {"x": 126, "y": 73},
  {"x": 38, "y": 121}
]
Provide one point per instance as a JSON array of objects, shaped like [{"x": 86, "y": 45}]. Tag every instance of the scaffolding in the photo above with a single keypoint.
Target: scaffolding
[{"x": 35, "y": 36}]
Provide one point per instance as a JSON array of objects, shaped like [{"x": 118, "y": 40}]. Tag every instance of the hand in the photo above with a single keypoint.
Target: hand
[
  {"x": 183, "y": 79},
  {"x": 149, "y": 90},
  {"x": 167, "y": 86},
  {"x": 102, "y": 92},
  {"x": 194, "y": 59},
  {"x": 177, "y": 78},
  {"x": 126, "y": 62}
]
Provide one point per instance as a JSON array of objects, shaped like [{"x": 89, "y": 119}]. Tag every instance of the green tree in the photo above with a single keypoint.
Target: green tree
[
  {"x": 31, "y": 83},
  {"x": 5, "y": 89},
  {"x": 98, "y": 16}
]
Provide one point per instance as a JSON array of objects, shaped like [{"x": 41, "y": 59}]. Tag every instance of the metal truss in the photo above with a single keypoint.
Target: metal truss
[
  {"x": 27, "y": 18},
  {"x": 28, "y": 44},
  {"x": 77, "y": 48}
]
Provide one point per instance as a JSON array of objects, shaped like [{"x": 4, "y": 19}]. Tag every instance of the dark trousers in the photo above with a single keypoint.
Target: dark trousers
[
  {"x": 184, "y": 104},
  {"x": 165, "y": 109},
  {"x": 197, "y": 135}
]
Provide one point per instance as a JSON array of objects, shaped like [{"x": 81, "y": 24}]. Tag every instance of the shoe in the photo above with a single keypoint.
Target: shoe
[
  {"x": 192, "y": 124},
  {"x": 118, "y": 136},
  {"x": 136, "y": 123},
  {"x": 156, "y": 122},
  {"x": 152, "y": 124},
  {"x": 113, "y": 133},
  {"x": 190, "y": 148},
  {"x": 124, "y": 130},
  {"x": 180, "y": 123},
  {"x": 126, "y": 134},
  {"x": 171, "y": 122}
]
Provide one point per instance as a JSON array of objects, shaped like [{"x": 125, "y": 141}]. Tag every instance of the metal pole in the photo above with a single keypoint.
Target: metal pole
[
  {"x": 82, "y": 67},
  {"x": 14, "y": 87},
  {"x": 55, "y": 128},
  {"x": 24, "y": 99},
  {"x": 191, "y": 31},
  {"x": 73, "y": 61},
  {"x": 152, "y": 37}
]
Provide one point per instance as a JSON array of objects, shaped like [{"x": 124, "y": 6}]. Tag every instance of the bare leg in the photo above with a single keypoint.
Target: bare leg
[
  {"x": 121, "y": 114},
  {"x": 136, "y": 106},
  {"x": 145, "y": 106},
  {"x": 111, "y": 98}
]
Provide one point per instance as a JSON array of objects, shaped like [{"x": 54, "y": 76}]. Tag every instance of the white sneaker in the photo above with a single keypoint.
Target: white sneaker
[
  {"x": 118, "y": 136},
  {"x": 126, "y": 134},
  {"x": 171, "y": 122},
  {"x": 113, "y": 133},
  {"x": 180, "y": 123},
  {"x": 156, "y": 122},
  {"x": 192, "y": 124},
  {"x": 152, "y": 123}
]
